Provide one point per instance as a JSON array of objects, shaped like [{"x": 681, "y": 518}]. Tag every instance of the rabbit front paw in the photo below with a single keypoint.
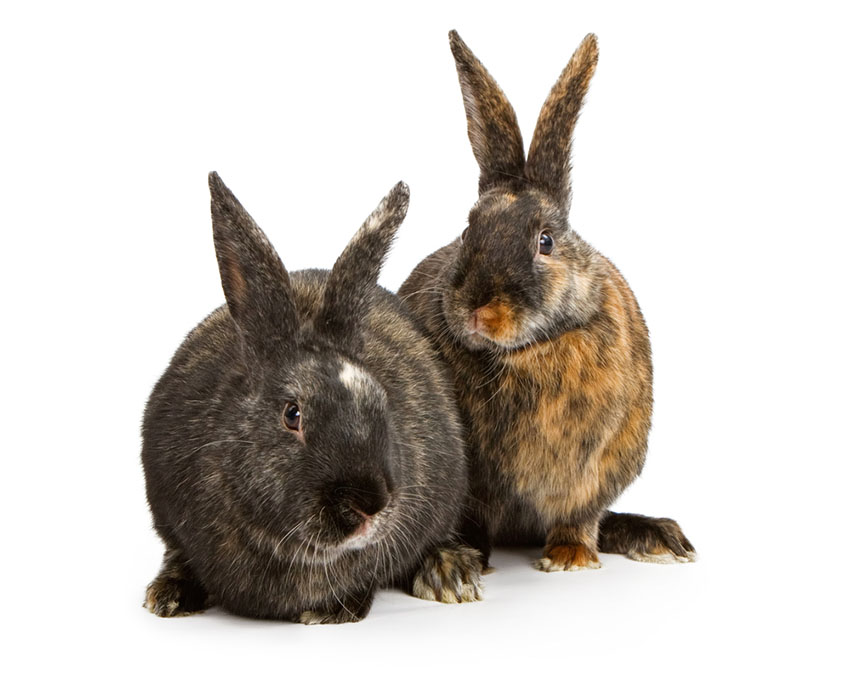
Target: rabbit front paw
[
  {"x": 171, "y": 597},
  {"x": 449, "y": 575},
  {"x": 568, "y": 558},
  {"x": 329, "y": 618},
  {"x": 347, "y": 608}
]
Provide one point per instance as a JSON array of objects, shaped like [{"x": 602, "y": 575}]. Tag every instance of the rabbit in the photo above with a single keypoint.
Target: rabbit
[
  {"x": 303, "y": 447},
  {"x": 548, "y": 347}
]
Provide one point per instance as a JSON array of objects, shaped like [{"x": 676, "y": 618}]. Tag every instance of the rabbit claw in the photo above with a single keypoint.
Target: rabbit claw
[
  {"x": 172, "y": 597},
  {"x": 449, "y": 575}
]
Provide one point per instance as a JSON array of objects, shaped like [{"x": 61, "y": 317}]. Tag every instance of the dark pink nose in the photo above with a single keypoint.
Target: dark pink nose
[
  {"x": 365, "y": 515},
  {"x": 365, "y": 524}
]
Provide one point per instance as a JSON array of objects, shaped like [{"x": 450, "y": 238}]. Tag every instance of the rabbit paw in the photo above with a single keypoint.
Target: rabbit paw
[
  {"x": 661, "y": 557},
  {"x": 348, "y": 608},
  {"x": 568, "y": 558},
  {"x": 663, "y": 543},
  {"x": 171, "y": 597},
  {"x": 449, "y": 575},
  {"x": 329, "y": 618}
]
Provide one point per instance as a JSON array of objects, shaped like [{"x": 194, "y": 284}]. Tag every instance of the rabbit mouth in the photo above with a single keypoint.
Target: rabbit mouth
[
  {"x": 497, "y": 324},
  {"x": 372, "y": 531},
  {"x": 501, "y": 325},
  {"x": 477, "y": 340},
  {"x": 480, "y": 336}
]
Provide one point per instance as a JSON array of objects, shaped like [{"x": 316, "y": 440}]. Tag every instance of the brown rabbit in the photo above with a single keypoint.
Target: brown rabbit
[{"x": 548, "y": 347}]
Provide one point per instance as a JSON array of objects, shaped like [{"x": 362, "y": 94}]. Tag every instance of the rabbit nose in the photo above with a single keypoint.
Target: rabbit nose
[
  {"x": 367, "y": 511},
  {"x": 483, "y": 318},
  {"x": 478, "y": 317},
  {"x": 356, "y": 499},
  {"x": 362, "y": 529},
  {"x": 360, "y": 522}
]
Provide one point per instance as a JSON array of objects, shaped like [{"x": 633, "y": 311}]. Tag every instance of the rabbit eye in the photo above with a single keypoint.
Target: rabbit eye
[
  {"x": 292, "y": 417},
  {"x": 463, "y": 235},
  {"x": 546, "y": 243}
]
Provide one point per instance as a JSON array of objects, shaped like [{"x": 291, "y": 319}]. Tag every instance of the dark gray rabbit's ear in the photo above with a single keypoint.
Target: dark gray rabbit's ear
[
  {"x": 353, "y": 279},
  {"x": 490, "y": 119},
  {"x": 254, "y": 280},
  {"x": 549, "y": 155}
]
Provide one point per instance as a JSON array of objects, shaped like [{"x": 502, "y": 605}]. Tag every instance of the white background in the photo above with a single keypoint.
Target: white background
[{"x": 711, "y": 164}]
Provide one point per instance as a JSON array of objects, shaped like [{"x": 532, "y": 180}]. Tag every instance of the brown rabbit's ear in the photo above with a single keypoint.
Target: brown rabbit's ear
[
  {"x": 254, "y": 280},
  {"x": 490, "y": 118},
  {"x": 353, "y": 278},
  {"x": 549, "y": 155}
]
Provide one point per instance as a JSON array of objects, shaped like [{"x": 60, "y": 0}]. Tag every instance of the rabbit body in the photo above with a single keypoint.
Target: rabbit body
[
  {"x": 304, "y": 523},
  {"x": 548, "y": 348}
]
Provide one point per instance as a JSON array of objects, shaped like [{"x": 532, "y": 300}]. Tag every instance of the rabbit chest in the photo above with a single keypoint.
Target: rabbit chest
[{"x": 562, "y": 427}]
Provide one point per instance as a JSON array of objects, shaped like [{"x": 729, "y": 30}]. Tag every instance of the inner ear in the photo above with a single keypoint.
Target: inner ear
[
  {"x": 254, "y": 280},
  {"x": 231, "y": 275}
]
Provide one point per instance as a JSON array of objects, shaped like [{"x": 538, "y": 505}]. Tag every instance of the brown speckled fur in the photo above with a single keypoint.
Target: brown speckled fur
[{"x": 555, "y": 387}]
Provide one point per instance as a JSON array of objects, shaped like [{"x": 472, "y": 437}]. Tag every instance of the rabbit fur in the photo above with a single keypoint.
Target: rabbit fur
[
  {"x": 547, "y": 345},
  {"x": 303, "y": 449}
]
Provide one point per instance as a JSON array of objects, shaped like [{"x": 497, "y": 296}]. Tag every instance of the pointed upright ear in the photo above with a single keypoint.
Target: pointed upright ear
[
  {"x": 254, "y": 280},
  {"x": 490, "y": 119},
  {"x": 549, "y": 155},
  {"x": 353, "y": 278}
]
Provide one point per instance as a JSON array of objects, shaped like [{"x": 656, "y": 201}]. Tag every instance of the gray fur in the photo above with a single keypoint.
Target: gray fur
[{"x": 263, "y": 520}]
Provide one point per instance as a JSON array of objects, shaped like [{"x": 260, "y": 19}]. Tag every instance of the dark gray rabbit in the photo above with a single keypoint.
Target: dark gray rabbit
[
  {"x": 302, "y": 449},
  {"x": 547, "y": 344}
]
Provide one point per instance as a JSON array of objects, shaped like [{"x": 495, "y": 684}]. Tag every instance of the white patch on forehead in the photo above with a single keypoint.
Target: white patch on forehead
[{"x": 355, "y": 379}]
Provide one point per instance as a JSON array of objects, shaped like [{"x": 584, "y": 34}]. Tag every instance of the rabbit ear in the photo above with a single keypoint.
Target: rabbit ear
[
  {"x": 490, "y": 118},
  {"x": 354, "y": 276},
  {"x": 254, "y": 280},
  {"x": 549, "y": 155}
]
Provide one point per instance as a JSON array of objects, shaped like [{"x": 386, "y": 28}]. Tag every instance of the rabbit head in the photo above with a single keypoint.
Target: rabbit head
[
  {"x": 323, "y": 465},
  {"x": 520, "y": 274}
]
